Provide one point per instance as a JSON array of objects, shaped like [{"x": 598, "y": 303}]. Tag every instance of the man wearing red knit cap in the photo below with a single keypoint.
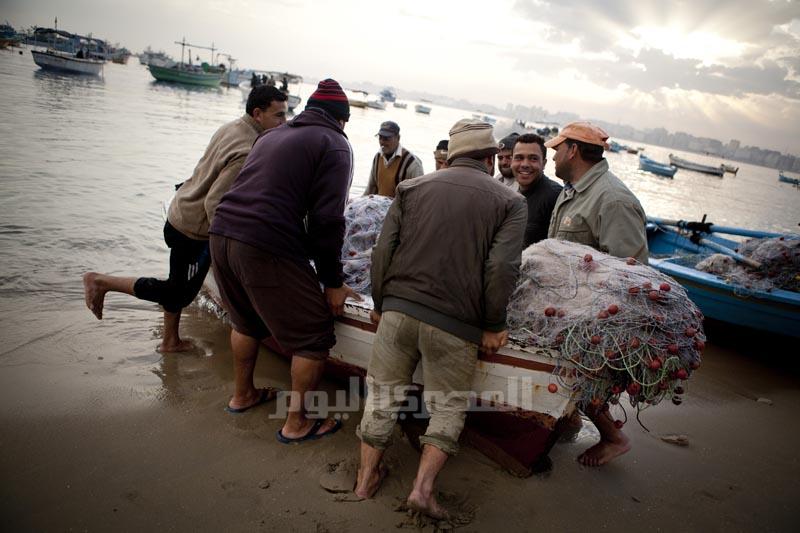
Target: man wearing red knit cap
[{"x": 285, "y": 209}]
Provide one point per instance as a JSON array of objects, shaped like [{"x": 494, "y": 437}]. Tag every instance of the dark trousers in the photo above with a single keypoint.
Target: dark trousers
[{"x": 189, "y": 261}]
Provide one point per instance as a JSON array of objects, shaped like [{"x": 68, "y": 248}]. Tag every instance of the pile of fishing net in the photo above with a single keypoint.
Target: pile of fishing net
[
  {"x": 363, "y": 222},
  {"x": 623, "y": 326},
  {"x": 779, "y": 258}
]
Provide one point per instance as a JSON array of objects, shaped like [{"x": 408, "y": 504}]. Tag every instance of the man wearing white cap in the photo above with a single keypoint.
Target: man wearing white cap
[
  {"x": 595, "y": 208},
  {"x": 439, "y": 296}
]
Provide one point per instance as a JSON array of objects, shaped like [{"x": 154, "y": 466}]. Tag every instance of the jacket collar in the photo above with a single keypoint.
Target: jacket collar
[
  {"x": 471, "y": 163},
  {"x": 591, "y": 176},
  {"x": 253, "y": 123}
]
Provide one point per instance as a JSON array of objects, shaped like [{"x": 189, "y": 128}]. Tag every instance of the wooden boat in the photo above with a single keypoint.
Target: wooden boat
[
  {"x": 67, "y": 62},
  {"x": 788, "y": 179},
  {"x": 399, "y": 105},
  {"x": 376, "y": 104},
  {"x": 203, "y": 75},
  {"x": 357, "y": 98},
  {"x": 677, "y": 246},
  {"x": 650, "y": 165},
  {"x": 514, "y": 420},
  {"x": 288, "y": 83},
  {"x": 697, "y": 167},
  {"x": 425, "y": 110},
  {"x": 614, "y": 146},
  {"x": 730, "y": 168}
]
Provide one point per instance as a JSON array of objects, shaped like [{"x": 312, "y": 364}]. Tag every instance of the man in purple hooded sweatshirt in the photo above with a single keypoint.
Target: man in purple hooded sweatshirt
[{"x": 285, "y": 209}]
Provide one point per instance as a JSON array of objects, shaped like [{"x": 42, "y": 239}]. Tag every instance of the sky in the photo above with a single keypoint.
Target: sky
[{"x": 721, "y": 69}]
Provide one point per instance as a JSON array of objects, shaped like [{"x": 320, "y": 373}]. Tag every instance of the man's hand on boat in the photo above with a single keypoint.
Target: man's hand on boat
[
  {"x": 491, "y": 341},
  {"x": 337, "y": 296}
]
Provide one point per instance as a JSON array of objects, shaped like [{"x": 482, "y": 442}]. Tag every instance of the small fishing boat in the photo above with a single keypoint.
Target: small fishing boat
[
  {"x": 788, "y": 179},
  {"x": 614, "y": 146},
  {"x": 677, "y": 246},
  {"x": 357, "y": 98},
  {"x": 662, "y": 169},
  {"x": 631, "y": 150},
  {"x": 399, "y": 105},
  {"x": 425, "y": 110},
  {"x": 376, "y": 104},
  {"x": 730, "y": 168},
  {"x": 514, "y": 419},
  {"x": 67, "y": 62},
  {"x": 205, "y": 74},
  {"x": 388, "y": 95},
  {"x": 697, "y": 167}
]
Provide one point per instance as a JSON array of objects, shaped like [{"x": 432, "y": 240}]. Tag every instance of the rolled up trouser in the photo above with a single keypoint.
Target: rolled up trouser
[
  {"x": 448, "y": 365},
  {"x": 189, "y": 261}
]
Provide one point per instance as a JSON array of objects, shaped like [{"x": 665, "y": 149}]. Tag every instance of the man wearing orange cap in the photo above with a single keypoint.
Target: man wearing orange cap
[{"x": 595, "y": 208}]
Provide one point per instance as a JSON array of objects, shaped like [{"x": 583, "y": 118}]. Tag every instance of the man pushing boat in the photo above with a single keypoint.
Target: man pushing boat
[{"x": 190, "y": 215}]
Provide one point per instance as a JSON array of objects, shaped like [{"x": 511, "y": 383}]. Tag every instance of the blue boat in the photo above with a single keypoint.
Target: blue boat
[
  {"x": 650, "y": 165},
  {"x": 677, "y": 246},
  {"x": 787, "y": 179},
  {"x": 614, "y": 146}
]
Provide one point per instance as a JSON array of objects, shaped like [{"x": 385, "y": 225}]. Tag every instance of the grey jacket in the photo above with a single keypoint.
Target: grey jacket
[{"x": 449, "y": 251}]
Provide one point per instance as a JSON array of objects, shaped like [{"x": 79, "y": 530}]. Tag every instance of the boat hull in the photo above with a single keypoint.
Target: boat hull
[
  {"x": 425, "y": 110},
  {"x": 514, "y": 418},
  {"x": 787, "y": 179},
  {"x": 65, "y": 63},
  {"x": 777, "y": 311},
  {"x": 697, "y": 167},
  {"x": 649, "y": 165},
  {"x": 173, "y": 75}
]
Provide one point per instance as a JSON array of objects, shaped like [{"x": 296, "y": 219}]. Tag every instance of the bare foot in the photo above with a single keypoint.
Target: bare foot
[
  {"x": 173, "y": 347},
  {"x": 604, "y": 451},
  {"x": 427, "y": 505},
  {"x": 369, "y": 484},
  {"x": 94, "y": 293}
]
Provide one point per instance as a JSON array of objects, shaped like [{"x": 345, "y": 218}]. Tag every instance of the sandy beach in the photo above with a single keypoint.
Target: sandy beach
[{"x": 100, "y": 435}]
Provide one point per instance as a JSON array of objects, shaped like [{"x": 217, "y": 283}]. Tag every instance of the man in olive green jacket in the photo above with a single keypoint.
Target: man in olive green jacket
[
  {"x": 443, "y": 270},
  {"x": 597, "y": 209}
]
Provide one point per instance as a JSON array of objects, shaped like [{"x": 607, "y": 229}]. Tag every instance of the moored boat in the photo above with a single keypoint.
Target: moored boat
[
  {"x": 67, "y": 62},
  {"x": 730, "y": 168},
  {"x": 399, "y": 105},
  {"x": 676, "y": 247},
  {"x": 514, "y": 420},
  {"x": 388, "y": 95},
  {"x": 697, "y": 167},
  {"x": 203, "y": 75},
  {"x": 788, "y": 179},
  {"x": 425, "y": 110},
  {"x": 650, "y": 165}
]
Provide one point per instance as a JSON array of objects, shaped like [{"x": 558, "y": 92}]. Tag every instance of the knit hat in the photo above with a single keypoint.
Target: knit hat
[
  {"x": 508, "y": 142},
  {"x": 330, "y": 97},
  {"x": 470, "y": 135}
]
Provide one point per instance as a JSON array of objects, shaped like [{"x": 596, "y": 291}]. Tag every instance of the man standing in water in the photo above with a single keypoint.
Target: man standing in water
[
  {"x": 439, "y": 317},
  {"x": 595, "y": 208},
  {"x": 285, "y": 209},
  {"x": 190, "y": 215}
]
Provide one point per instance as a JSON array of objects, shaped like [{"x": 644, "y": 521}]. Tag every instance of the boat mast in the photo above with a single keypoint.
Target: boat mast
[{"x": 184, "y": 44}]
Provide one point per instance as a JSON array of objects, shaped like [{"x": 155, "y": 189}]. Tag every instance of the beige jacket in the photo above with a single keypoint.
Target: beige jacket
[
  {"x": 602, "y": 212},
  {"x": 192, "y": 209}
]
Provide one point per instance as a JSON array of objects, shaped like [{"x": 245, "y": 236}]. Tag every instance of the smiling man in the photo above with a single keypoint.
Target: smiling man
[
  {"x": 392, "y": 164},
  {"x": 540, "y": 192}
]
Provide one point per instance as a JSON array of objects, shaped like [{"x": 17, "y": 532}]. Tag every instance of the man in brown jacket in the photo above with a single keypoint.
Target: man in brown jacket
[
  {"x": 443, "y": 270},
  {"x": 189, "y": 217}
]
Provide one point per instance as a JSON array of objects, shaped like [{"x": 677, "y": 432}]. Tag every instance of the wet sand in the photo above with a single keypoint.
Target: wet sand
[{"x": 100, "y": 432}]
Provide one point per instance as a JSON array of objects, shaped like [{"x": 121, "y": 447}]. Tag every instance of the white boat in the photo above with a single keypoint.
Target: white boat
[
  {"x": 67, "y": 62},
  {"x": 697, "y": 167},
  {"x": 399, "y": 105},
  {"x": 425, "y": 110},
  {"x": 376, "y": 104},
  {"x": 514, "y": 417},
  {"x": 286, "y": 82}
]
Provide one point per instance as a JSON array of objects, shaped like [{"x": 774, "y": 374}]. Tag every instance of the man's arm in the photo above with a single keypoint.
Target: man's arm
[
  {"x": 224, "y": 180},
  {"x": 622, "y": 230},
  {"x": 372, "y": 184},
  {"x": 327, "y": 200},
  {"x": 501, "y": 268},
  {"x": 414, "y": 168},
  {"x": 384, "y": 249}
]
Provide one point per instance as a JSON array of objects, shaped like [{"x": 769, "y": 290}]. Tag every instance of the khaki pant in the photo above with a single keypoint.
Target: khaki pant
[{"x": 448, "y": 364}]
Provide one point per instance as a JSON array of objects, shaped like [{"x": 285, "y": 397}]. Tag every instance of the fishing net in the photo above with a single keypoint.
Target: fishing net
[
  {"x": 623, "y": 326},
  {"x": 780, "y": 265},
  {"x": 363, "y": 222}
]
